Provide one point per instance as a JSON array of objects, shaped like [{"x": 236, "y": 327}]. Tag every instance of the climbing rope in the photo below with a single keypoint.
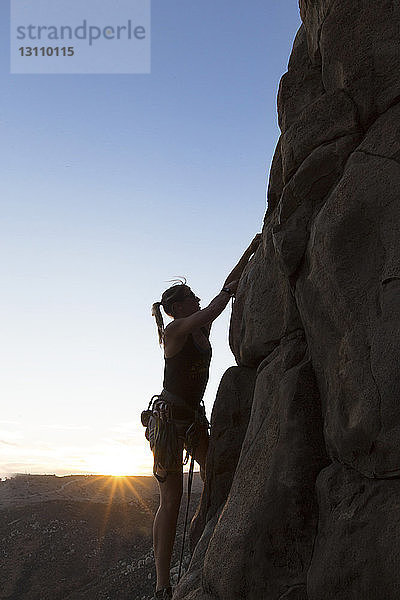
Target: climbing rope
[{"x": 190, "y": 481}]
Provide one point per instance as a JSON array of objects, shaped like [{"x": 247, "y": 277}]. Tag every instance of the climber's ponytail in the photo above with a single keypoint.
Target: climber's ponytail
[
  {"x": 156, "y": 312},
  {"x": 176, "y": 293}
]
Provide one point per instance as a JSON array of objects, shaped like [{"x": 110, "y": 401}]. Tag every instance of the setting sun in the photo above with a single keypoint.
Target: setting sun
[{"x": 120, "y": 462}]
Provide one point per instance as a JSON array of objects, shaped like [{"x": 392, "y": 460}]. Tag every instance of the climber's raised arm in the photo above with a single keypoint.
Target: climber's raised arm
[
  {"x": 237, "y": 271},
  {"x": 184, "y": 324}
]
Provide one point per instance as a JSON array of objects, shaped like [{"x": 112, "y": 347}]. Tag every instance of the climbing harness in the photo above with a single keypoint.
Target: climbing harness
[
  {"x": 162, "y": 433},
  {"x": 169, "y": 419}
]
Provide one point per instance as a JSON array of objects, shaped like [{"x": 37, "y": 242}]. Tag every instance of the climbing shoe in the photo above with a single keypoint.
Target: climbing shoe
[{"x": 163, "y": 594}]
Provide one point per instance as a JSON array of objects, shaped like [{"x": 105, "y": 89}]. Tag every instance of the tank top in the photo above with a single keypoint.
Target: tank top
[{"x": 186, "y": 373}]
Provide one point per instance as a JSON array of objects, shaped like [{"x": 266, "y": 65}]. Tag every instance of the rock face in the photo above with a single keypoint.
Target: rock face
[
  {"x": 269, "y": 533},
  {"x": 357, "y": 543},
  {"x": 309, "y": 510},
  {"x": 229, "y": 423}
]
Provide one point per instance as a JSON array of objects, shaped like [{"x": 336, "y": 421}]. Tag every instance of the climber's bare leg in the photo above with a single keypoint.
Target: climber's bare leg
[{"x": 164, "y": 527}]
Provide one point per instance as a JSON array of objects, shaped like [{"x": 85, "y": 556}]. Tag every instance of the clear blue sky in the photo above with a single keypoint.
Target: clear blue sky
[{"x": 111, "y": 185}]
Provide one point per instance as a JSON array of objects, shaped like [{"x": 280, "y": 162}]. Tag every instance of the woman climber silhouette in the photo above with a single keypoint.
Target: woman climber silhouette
[{"x": 177, "y": 419}]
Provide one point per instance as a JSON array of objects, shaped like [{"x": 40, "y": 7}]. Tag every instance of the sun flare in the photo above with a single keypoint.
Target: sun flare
[{"x": 118, "y": 463}]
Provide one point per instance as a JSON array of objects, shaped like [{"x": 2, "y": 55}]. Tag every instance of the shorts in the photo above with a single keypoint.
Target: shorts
[{"x": 172, "y": 428}]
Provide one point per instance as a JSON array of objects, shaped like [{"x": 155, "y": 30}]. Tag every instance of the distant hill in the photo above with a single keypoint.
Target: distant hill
[{"x": 79, "y": 537}]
